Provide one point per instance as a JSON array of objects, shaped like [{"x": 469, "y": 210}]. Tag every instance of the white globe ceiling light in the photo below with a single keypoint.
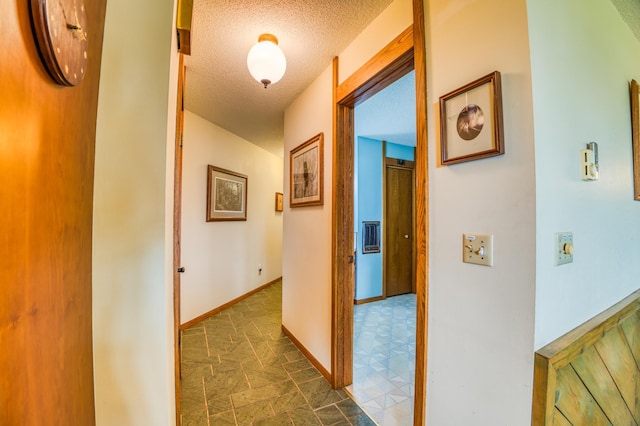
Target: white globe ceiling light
[{"x": 265, "y": 60}]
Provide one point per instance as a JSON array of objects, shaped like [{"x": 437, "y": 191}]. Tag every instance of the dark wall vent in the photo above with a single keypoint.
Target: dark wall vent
[{"x": 370, "y": 237}]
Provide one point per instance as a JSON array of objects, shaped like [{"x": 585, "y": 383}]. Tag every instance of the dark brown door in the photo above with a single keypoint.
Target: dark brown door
[{"x": 398, "y": 253}]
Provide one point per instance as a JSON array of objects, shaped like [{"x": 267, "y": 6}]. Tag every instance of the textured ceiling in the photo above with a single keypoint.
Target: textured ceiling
[
  {"x": 310, "y": 32},
  {"x": 630, "y": 11}
]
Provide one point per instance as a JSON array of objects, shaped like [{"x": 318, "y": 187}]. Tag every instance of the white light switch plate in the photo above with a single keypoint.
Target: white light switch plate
[
  {"x": 564, "y": 248},
  {"x": 478, "y": 249}
]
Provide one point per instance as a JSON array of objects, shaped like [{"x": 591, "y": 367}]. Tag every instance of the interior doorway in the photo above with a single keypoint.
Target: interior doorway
[
  {"x": 403, "y": 54},
  {"x": 384, "y": 322}
]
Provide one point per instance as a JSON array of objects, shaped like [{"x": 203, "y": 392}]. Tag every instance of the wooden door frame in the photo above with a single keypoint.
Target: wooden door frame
[
  {"x": 177, "y": 218},
  {"x": 405, "y": 53}
]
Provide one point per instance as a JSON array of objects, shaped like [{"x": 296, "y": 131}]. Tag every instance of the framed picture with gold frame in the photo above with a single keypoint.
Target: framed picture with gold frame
[
  {"x": 226, "y": 195},
  {"x": 279, "y": 201},
  {"x": 306, "y": 173},
  {"x": 635, "y": 136},
  {"x": 471, "y": 121}
]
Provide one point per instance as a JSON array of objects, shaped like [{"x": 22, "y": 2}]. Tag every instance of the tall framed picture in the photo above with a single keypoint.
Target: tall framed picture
[
  {"x": 471, "y": 121},
  {"x": 306, "y": 173},
  {"x": 226, "y": 195},
  {"x": 635, "y": 134}
]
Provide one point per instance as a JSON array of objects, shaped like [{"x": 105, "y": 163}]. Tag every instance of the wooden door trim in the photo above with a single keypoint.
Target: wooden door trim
[
  {"x": 378, "y": 73},
  {"x": 395, "y": 60},
  {"x": 421, "y": 210},
  {"x": 343, "y": 290},
  {"x": 393, "y": 163},
  {"x": 177, "y": 218}
]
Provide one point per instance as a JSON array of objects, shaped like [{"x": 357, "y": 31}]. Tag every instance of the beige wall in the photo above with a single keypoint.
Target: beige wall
[
  {"x": 585, "y": 99},
  {"x": 481, "y": 319},
  {"x": 306, "y": 269},
  {"x": 222, "y": 258},
  {"x": 132, "y": 223}
]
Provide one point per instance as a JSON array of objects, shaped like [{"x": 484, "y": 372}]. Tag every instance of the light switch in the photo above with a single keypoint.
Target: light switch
[
  {"x": 478, "y": 249},
  {"x": 564, "y": 248}
]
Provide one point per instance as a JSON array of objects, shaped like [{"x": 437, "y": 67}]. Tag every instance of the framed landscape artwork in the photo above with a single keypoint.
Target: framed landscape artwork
[
  {"x": 306, "y": 173},
  {"x": 471, "y": 121},
  {"x": 226, "y": 195}
]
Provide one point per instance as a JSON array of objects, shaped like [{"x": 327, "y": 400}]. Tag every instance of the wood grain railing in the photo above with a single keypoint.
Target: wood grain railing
[{"x": 591, "y": 375}]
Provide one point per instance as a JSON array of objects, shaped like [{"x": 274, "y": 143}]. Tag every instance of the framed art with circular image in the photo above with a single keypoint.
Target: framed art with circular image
[{"x": 471, "y": 121}]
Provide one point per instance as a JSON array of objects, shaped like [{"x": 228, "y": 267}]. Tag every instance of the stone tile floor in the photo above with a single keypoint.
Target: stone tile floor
[
  {"x": 384, "y": 353},
  {"x": 238, "y": 368}
]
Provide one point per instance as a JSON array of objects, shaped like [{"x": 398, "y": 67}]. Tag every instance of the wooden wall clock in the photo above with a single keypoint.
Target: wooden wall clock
[{"x": 61, "y": 33}]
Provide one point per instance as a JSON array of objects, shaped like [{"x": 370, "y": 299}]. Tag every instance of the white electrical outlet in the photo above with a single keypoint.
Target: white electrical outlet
[
  {"x": 478, "y": 249},
  {"x": 564, "y": 248}
]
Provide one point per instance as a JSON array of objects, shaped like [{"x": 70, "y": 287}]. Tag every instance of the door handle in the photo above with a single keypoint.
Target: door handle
[
  {"x": 406, "y": 236},
  {"x": 181, "y": 269}
]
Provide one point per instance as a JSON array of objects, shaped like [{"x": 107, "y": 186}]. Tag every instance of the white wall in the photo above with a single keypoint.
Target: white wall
[
  {"x": 481, "y": 319},
  {"x": 581, "y": 95},
  {"x": 388, "y": 25},
  {"x": 222, "y": 258},
  {"x": 306, "y": 295},
  {"x": 306, "y": 254},
  {"x": 133, "y": 207}
]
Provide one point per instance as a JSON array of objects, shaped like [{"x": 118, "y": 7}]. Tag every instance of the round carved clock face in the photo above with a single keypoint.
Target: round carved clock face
[{"x": 61, "y": 32}]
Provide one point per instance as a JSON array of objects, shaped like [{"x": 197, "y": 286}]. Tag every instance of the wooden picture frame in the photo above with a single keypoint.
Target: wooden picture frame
[
  {"x": 226, "y": 195},
  {"x": 471, "y": 121},
  {"x": 635, "y": 136},
  {"x": 306, "y": 178},
  {"x": 279, "y": 201}
]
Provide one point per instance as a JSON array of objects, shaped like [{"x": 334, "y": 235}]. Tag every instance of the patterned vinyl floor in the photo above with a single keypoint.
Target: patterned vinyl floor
[
  {"x": 384, "y": 359},
  {"x": 238, "y": 368}
]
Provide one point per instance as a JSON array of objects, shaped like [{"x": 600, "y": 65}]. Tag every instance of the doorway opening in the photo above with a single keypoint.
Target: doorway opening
[
  {"x": 384, "y": 323},
  {"x": 402, "y": 55}
]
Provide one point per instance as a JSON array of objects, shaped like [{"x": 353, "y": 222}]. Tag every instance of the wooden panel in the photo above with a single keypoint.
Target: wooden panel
[
  {"x": 595, "y": 376},
  {"x": 616, "y": 355},
  {"x": 544, "y": 395},
  {"x": 559, "y": 419},
  {"x": 47, "y": 145},
  {"x": 592, "y": 369},
  {"x": 575, "y": 401},
  {"x": 631, "y": 330}
]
